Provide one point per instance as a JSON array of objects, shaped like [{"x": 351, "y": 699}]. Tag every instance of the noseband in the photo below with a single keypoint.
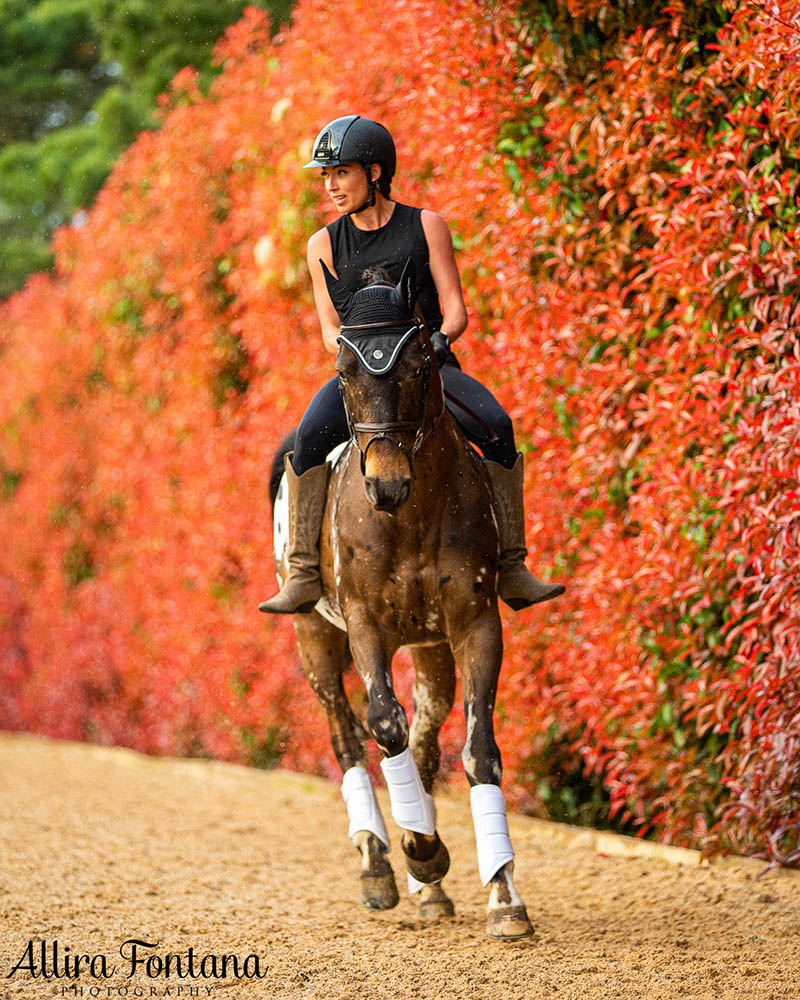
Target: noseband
[{"x": 385, "y": 430}]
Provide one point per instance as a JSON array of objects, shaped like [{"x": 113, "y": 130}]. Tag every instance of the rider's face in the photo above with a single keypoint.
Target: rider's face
[{"x": 346, "y": 185}]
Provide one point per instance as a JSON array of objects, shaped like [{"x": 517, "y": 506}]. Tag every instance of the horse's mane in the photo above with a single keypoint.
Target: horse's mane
[{"x": 376, "y": 276}]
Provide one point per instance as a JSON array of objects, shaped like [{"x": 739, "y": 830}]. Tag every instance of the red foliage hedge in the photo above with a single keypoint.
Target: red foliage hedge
[{"x": 623, "y": 198}]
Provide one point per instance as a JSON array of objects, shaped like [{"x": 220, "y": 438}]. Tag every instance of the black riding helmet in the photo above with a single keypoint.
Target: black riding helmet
[{"x": 354, "y": 139}]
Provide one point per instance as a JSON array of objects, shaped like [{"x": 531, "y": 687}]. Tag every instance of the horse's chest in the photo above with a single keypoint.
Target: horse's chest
[
  {"x": 414, "y": 574},
  {"x": 408, "y": 602},
  {"x": 410, "y": 586},
  {"x": 401, "y": 589}
]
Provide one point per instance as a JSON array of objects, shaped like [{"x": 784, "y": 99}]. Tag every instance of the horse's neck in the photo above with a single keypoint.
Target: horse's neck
[{"x": 444, "y": 453}]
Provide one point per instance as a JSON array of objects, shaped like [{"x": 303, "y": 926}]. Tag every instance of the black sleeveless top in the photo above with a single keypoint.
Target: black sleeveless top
[{"x": 389, "y": 247}]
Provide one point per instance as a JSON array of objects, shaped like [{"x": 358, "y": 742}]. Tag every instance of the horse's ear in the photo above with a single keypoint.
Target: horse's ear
[
  {"x": 406, "y": 288},
  {"x": 339, "y": 293}
]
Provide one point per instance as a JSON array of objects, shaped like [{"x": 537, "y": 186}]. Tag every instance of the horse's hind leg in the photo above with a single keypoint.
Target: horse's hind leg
[
  {"x": 324, "y": 655},
  {"x": 434, "y": 691}
]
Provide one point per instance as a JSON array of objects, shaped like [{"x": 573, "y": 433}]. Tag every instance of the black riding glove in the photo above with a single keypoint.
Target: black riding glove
[{"x": 441, "y": 346}]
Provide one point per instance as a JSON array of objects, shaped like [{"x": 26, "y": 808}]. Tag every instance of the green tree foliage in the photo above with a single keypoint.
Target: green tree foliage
[{"x": 80, "y": 79}]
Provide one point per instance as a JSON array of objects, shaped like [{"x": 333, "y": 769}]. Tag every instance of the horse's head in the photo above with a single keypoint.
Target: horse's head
[{"x": 390, "y": 382}]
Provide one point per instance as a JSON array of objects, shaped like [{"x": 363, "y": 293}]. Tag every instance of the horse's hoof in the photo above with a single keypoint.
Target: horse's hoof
[
  {"x": 435, "y": 904},
  {"x": 433, "y": 869},
  {"x": 379, "y": 892},
  {"x": 507, "y": 923}
]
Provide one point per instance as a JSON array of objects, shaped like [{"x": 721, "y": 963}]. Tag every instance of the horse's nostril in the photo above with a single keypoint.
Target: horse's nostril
[{"x": 387, "y": 494}]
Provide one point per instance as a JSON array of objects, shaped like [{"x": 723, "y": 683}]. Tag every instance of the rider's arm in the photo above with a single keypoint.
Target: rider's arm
[
  {"x": 445, "y": 274},
  {"x": 319, "y": 246}
]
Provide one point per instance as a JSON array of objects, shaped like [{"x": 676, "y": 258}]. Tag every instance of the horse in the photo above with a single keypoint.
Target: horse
[{"x": 408, "y": 557}]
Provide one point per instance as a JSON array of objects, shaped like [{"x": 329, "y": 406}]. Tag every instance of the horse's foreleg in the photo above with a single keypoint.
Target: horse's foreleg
[
  {"x": 412, "y": 805},
  {"x": 479, "y": 654},
  {"x": 434, "y": 691},
  {"x": 378, "y": 887},
  {"x": 323, "y": 652}
]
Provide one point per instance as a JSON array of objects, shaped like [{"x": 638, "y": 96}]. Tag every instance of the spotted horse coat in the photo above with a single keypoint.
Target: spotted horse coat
[{"x": 408, "y": 557}]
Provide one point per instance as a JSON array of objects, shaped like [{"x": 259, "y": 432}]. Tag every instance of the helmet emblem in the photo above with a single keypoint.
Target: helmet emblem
[{"x": 324, "y": 148}]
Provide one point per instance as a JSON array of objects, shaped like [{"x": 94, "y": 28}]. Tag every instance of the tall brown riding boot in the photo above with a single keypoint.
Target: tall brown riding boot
[
  {"x": 517, "y": 587},
  {"x": 302, "y": 587}
]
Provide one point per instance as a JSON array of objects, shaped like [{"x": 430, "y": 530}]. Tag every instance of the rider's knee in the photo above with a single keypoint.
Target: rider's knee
[
  {"x": 502, "y": 448},
  {"x": 310, "y": 449},
  {"x": 503, "y": 427}
]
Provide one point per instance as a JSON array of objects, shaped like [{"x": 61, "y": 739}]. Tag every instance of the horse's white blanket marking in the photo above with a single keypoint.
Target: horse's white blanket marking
[
  {"x": 412, "y": 806},
  {"x": 491, "y": 830},
  {"x": 326, "y": 605},
  {"x": 362, "y": 806}
]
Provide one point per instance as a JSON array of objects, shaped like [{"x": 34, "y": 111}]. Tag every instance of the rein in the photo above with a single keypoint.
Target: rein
[{"x": 471, "y": 413}]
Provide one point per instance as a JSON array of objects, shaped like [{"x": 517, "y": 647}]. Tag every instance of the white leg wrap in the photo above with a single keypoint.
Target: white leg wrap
[
  {"x": 491, "y": 829},
  {"x": 362, "y": 806},
  {"x": 412, "y": 807},
  {"x": 413, "y": 885}
]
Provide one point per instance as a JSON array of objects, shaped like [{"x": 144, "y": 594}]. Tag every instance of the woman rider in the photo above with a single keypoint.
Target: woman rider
[{"x": 357, "y": 158}]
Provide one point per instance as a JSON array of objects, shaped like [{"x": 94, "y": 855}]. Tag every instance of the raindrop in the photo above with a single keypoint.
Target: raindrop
[
  {"x": 55, "y": 119},
  {"x": 91, "y": 118},
  {"x": 79, "y": 219},
  {"x": 113, "y": 69}
]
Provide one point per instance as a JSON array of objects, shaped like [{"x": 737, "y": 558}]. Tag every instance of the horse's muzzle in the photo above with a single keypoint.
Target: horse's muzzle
[{"x": 387, "y": 495}]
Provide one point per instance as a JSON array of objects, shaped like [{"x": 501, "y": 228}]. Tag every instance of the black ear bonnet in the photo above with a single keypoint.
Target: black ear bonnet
[{"x": 377, "y": 321}]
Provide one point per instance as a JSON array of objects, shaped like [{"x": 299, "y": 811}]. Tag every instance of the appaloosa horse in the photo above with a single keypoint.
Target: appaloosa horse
[{"x": 409, "y": 552}]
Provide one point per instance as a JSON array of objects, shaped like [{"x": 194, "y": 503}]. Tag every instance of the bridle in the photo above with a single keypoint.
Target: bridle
[{"x": 385, "y": 430}]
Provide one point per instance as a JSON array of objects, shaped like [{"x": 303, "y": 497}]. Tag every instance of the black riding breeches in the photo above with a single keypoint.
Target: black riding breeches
[
  {"x": 324, "y": 424},
  {"x": 469, "y": 391}
]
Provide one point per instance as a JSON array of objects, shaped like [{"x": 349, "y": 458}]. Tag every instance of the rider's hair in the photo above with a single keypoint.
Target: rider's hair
[{"x": 384, "y": 186}]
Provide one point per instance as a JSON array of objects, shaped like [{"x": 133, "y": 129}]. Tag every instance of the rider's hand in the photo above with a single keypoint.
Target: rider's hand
[{"x": 441, "y": 346}]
